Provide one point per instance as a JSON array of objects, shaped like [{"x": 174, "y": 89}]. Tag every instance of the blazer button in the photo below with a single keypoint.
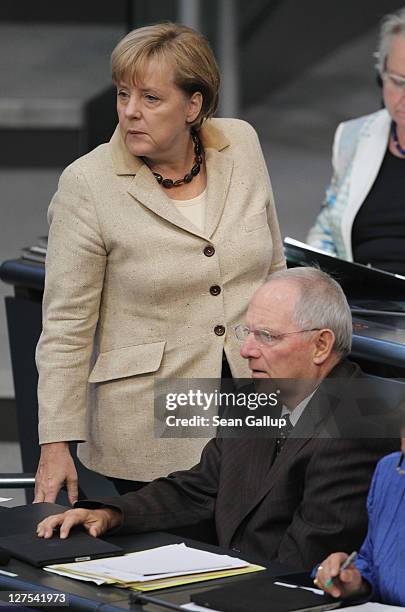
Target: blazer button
[
  {"x": 219, "y": 330},
  {"x": 215, "y": 290},
  {"x": 209, "y": 250}
]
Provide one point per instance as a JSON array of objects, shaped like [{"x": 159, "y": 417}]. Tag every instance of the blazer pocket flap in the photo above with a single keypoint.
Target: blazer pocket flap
[
  {"x": 127, "y": 361},
  {"x": 254, "y": 222}
]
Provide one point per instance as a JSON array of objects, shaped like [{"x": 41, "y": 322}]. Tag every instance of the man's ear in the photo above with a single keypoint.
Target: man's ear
[{"x": 324, "y": 344}]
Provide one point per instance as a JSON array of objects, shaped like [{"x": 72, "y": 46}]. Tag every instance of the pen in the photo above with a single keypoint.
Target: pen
[{"x": 344, "y": 566}]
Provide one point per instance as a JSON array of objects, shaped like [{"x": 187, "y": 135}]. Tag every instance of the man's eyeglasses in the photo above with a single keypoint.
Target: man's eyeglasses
[
  {"x": 400, "y": 469},
  {"x": 396, "y": 81},
  {"x": 263, "y": 336}
]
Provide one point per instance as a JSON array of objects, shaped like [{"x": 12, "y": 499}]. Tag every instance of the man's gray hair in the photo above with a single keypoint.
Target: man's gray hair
[
  {"x": 391, "y": 25},
  {"x": 321, "y": 304}
]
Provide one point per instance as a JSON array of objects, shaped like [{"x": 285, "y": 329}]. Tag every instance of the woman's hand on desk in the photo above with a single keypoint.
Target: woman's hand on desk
[
  {"x": 96, "y": 522},
  {"x": 55, "y": 468},
  {"x": 340, "y": 582}
]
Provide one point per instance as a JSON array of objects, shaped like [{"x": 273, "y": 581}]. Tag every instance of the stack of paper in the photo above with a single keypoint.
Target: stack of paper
[{"x": 157, "y": 568}]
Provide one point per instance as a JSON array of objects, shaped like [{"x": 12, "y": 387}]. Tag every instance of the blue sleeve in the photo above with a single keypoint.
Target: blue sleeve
[{"x": 365, "y": 558}]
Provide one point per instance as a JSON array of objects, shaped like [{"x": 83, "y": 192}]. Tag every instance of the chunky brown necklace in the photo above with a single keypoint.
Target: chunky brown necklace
[{"x": 169, "y": 183}]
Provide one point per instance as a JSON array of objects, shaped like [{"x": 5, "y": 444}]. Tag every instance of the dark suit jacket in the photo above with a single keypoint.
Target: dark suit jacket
[{"x": 305, "y": 504}]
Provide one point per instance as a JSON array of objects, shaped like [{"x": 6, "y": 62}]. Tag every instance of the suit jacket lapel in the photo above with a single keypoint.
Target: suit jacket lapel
[
  {"x": 315, "y": 415},
  {"x": 258, "y": 477},
  {"x": 246, "y": 480},
  {"x": 146, "y": 190},
  {"x": 290, "y": 449},
  {"x": 316, "y": 420}
]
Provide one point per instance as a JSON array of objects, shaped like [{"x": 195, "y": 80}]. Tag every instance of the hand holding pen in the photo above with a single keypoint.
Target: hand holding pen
[
  {"x": 338, "y": 576},
  {"x": 345, "y": 565}
]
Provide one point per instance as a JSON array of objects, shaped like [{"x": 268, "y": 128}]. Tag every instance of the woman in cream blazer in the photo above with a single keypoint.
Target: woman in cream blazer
[{"x": 134, "y": 289}]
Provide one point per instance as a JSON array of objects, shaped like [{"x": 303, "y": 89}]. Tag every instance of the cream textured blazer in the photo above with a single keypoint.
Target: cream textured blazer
[{"x": 127, "y": 295}]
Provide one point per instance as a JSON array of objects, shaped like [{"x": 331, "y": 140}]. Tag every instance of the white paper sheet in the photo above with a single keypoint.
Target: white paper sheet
[
  {"x": 162, "y": 562},
  {"x": 4, "y": 573},
  {"x": 69, "y": 575},
  {"x": 296, "y": 586}
]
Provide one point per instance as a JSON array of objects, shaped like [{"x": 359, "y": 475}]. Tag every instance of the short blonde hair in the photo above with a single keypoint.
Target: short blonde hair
[{"x": 195, "y": 68}]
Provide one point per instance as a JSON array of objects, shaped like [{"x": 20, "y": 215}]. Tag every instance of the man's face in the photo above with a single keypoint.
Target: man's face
[{"x": 291, "y": 356}]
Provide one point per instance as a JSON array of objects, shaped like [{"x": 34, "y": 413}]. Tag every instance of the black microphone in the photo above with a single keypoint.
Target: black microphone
[{"x": 4, "y": 556}]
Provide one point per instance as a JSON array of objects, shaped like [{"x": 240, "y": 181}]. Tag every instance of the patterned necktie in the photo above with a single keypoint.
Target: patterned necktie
[{"x": 284, "y": 433}]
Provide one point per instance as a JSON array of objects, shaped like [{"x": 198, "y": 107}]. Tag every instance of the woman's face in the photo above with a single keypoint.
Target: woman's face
[
  {"x": 394, "y": 96},
  {"x": 155, "y": 115}
]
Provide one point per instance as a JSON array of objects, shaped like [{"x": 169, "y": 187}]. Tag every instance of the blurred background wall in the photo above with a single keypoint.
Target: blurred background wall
[{"x": 293, "y": 68}]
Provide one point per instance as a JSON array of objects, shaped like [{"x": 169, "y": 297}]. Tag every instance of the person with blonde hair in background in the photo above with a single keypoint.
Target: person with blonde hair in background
[
  {"x": 363, "y": 215},
  {"x": 157, "y": 241}
]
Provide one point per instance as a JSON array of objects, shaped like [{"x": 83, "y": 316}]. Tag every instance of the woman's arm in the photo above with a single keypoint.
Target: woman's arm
[{"x": 75, "y": 267}]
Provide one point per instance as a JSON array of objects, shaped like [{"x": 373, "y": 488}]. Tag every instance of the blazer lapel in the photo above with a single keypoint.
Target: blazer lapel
[
  {"x": 146, "y": 190},
  {"x": 245, "y": 481},
  {"x": 366, "y": 164},
  {"x": 314, "y": 415},
  {"x": 256, "y": 473},
  {"x": 290, "y": 449}
]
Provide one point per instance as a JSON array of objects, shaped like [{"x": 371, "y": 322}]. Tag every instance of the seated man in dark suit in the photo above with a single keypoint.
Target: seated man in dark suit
[{"x": 294, "y": 499}]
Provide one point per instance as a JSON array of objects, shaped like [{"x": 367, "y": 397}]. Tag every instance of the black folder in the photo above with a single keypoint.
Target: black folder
[
  {"x": 24, "y": 519},
  {"x": 22, "y": 542},
  {"x": 361, "y": 283},
  {"x": 37, "y": 551},
  {"x": 262, "y": 595}
]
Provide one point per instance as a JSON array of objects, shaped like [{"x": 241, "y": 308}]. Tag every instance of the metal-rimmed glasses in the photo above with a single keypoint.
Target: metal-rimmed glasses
[
  {"x": 264, "y": 336},
  {"x": 395, "y": 80},
  {"x": 400, "y": 469}
]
